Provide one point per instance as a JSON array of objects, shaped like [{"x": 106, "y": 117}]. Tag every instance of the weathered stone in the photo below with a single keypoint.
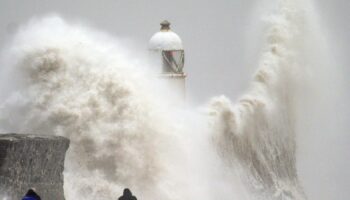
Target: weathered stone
[{"x": 31, "y": 161}]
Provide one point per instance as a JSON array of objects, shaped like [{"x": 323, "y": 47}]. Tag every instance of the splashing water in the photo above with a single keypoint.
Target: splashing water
[
  {"x": 257, "y": 135},
  {"x": 122, "y": 133},
  {"x": 72, "y": 81}
]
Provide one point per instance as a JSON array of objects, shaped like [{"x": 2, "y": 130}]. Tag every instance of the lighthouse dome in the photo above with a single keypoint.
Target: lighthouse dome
[{"x": 165, "y": 39}]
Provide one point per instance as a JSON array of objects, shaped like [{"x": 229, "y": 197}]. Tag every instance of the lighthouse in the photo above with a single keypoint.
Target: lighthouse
[{"x": 167, "y": 50}]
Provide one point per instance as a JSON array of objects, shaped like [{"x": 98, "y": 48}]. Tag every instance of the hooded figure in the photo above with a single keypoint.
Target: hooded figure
[
  {"x": 127, "y": 195},
  {"x": 31, "y": 195}
]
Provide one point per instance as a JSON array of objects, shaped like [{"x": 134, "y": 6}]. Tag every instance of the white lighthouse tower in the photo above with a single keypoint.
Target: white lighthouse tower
[{"x": 167, "y": 49}]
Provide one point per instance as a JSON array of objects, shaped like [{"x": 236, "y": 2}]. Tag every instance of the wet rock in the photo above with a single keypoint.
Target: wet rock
[{"x": 31, "y": 161}]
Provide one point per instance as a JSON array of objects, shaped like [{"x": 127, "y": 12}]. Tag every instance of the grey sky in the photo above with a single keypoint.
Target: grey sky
[
  {"x": 213, "y": 32},
  {"x": 221, "y": 37}
]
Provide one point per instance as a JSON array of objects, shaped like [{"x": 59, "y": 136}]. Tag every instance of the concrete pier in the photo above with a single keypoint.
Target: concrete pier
[{"x": 32, "y": 161}]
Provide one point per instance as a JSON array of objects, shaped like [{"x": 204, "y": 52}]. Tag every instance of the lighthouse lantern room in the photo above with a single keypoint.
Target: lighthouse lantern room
[{"x": 167, "y": 49}]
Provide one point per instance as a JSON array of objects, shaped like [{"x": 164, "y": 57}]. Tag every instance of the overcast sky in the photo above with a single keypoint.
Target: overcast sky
[
  {"x": 222, "y": 38},
  {"x": 214, "y": 33}
]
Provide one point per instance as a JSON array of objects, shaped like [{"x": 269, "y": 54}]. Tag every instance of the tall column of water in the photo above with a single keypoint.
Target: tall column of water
[{"x": 73, "y": 81}]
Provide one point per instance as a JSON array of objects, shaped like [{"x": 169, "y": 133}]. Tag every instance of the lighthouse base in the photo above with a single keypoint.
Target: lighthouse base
[{"x": 176, "y": 85}]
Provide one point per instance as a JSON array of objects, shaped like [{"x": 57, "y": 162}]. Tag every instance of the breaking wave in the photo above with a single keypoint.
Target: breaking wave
[
  {"x": 257, "y": 135},
  {"x": 69, "y": 80}
]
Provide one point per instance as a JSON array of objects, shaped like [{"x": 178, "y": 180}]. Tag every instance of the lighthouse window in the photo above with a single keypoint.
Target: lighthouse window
[{"x": 173, "y": 61}]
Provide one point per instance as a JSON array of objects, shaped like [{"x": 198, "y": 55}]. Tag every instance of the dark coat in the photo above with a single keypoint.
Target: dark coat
[
  {"x": 127, "y": 195},
  {"x": 31, "y": 195}
]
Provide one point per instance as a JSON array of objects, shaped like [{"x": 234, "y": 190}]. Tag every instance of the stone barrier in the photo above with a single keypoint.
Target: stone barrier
[{"x": 32, "y": 161}]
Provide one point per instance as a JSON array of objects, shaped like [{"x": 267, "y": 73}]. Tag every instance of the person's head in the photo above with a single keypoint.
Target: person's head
[
  {"x": 31, "y": 192},
  {"x": 127, "y": 192}
]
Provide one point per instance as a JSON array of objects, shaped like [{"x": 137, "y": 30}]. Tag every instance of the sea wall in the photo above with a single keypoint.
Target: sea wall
[{"x": 31, "y": 161}]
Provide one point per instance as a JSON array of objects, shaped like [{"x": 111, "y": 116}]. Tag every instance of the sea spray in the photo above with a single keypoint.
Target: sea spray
[
  {"x": 257, "y": 135},
  {"x": 73, "y": 81},
  {"x": 81, "y": 84},
  {"x": 66, "y": 79}
]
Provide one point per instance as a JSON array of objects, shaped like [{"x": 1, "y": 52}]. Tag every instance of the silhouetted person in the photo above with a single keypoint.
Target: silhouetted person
[
  {"x": 31, "y": 195},
  {"x": 127, "y": 195}
]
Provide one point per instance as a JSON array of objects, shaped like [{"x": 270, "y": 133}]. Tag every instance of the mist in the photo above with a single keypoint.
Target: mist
[{"x": 225, "y": 56}]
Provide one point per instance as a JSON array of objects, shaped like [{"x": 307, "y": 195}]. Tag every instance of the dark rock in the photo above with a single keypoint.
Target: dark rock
[{"x": 32, "y": 161}]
